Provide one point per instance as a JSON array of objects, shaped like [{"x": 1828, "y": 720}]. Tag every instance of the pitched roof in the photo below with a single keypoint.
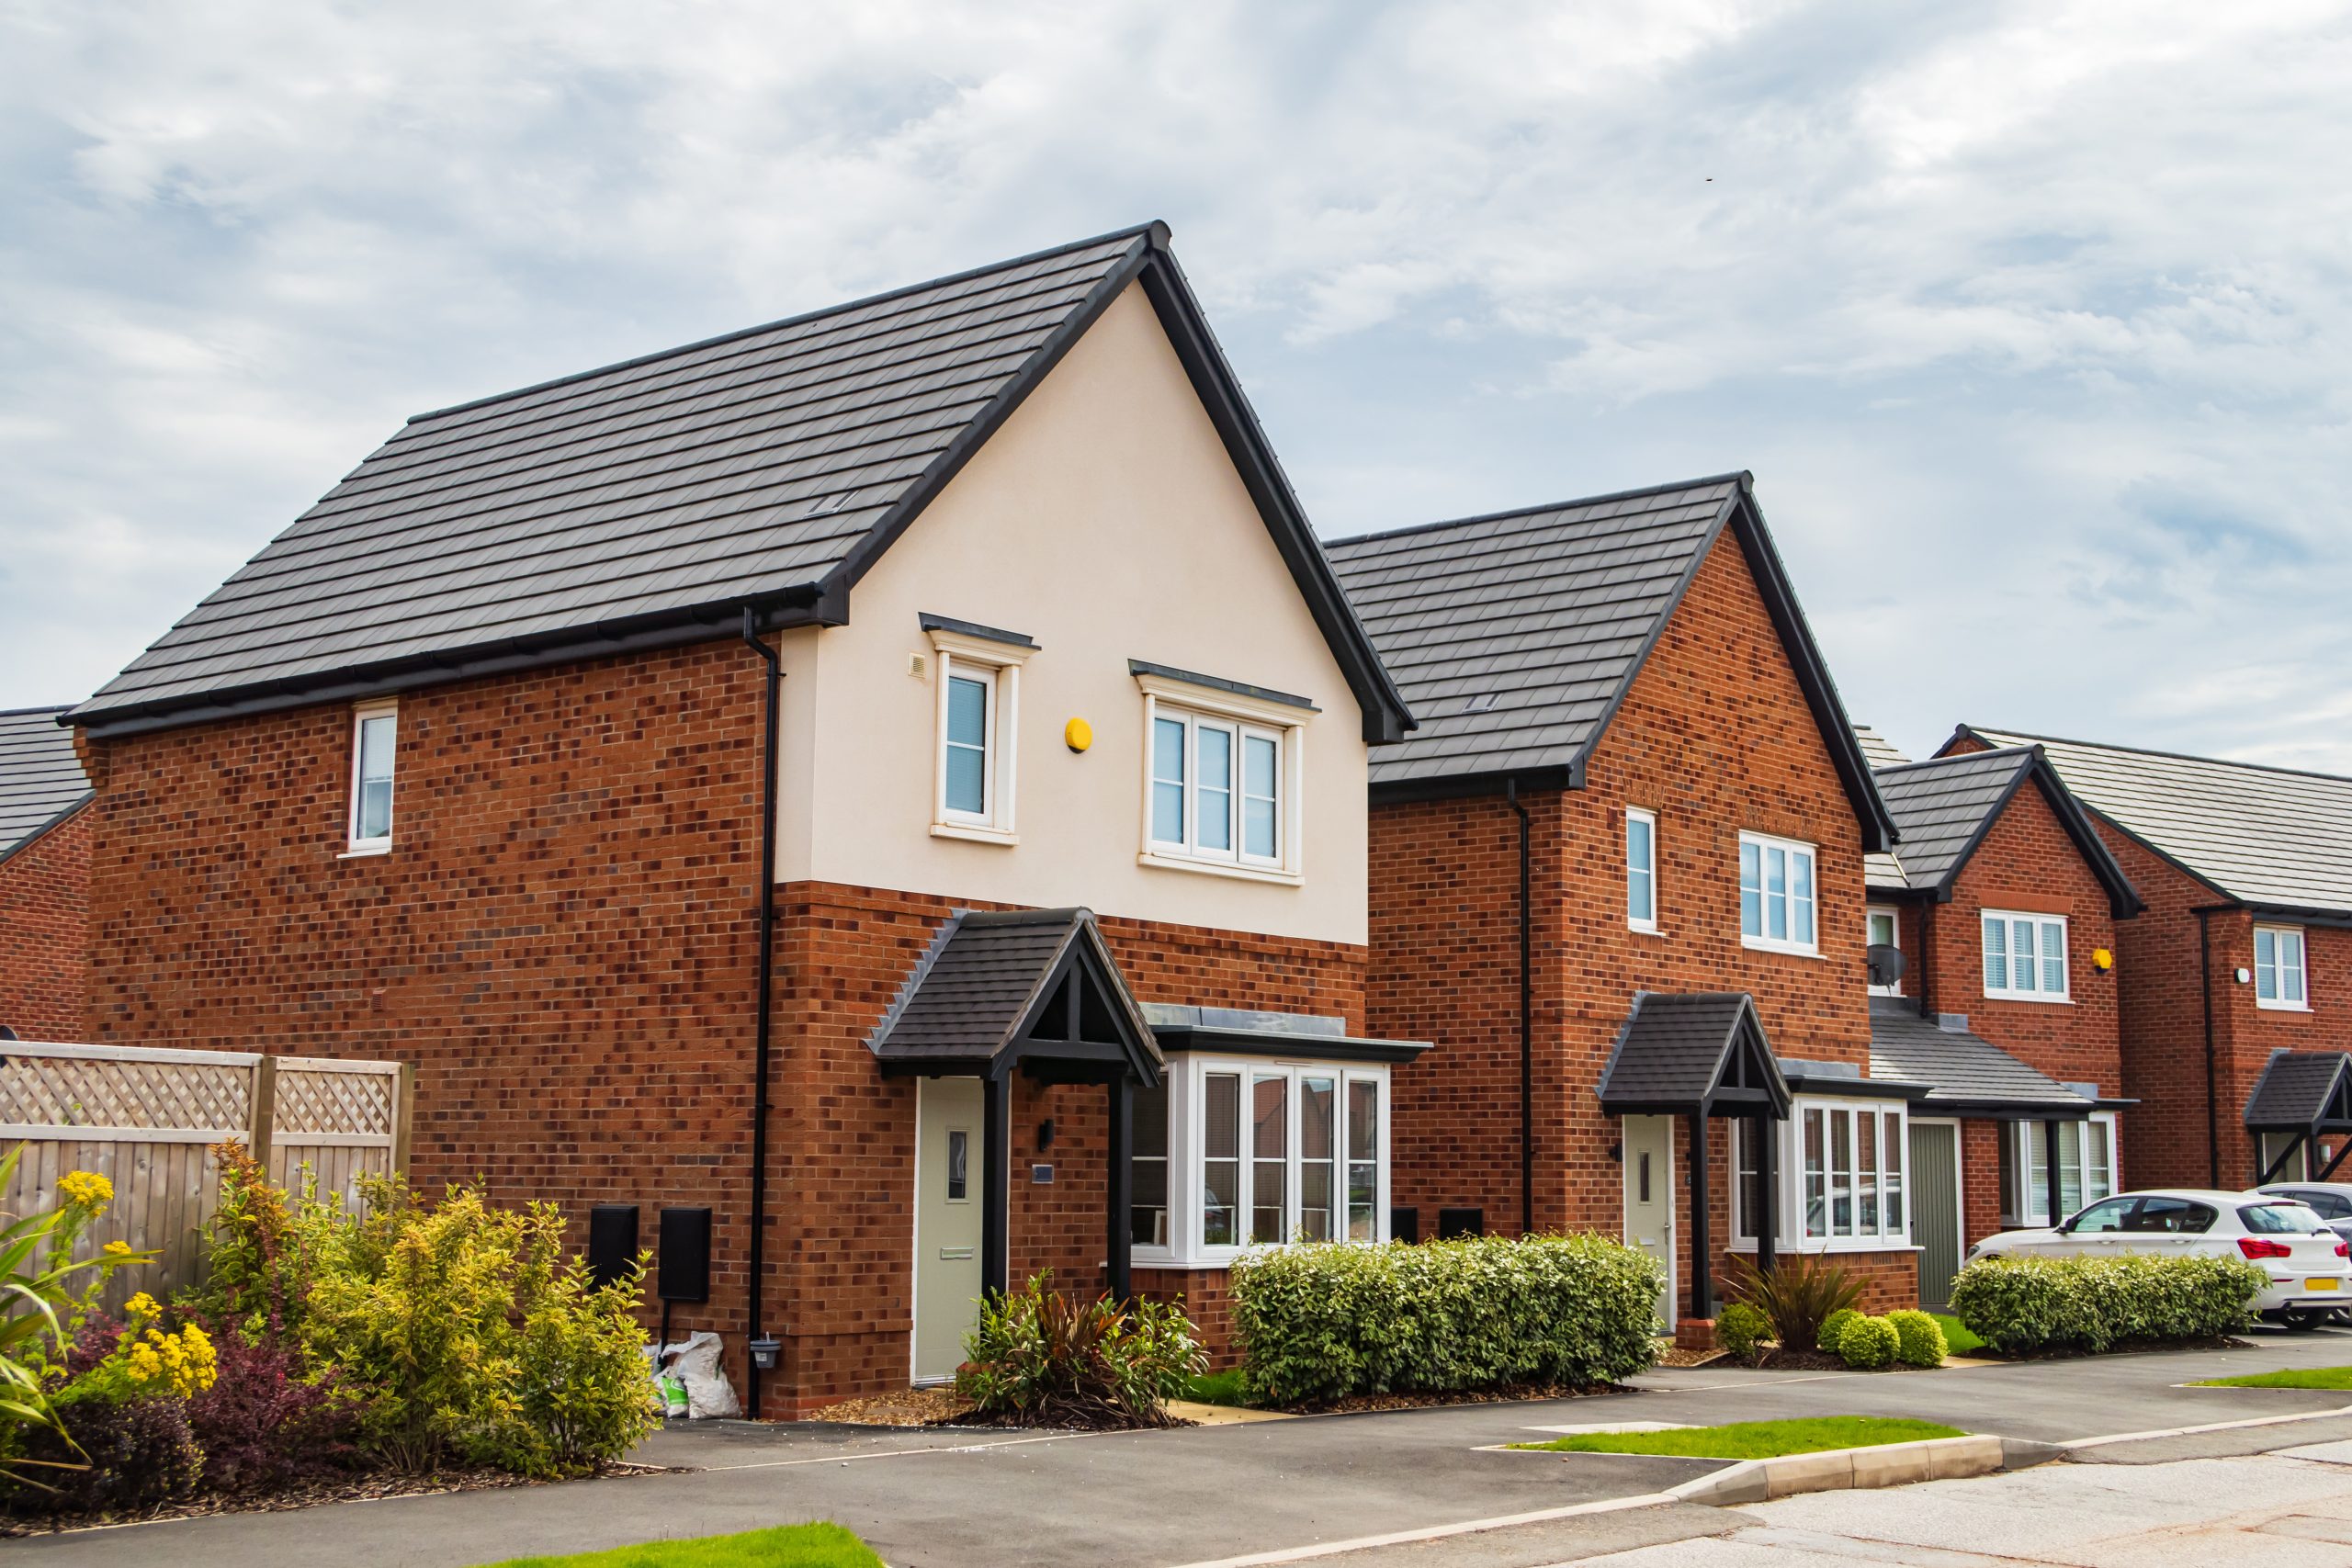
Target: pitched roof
[
  {"x": 2301, "y": 1090},
  {"x": 1878, "y": 748},
  {"x": 1961, "y": 1069},
  {"x": 648, "y": 503},
  {"x": 1946, "y": 806},
  {"x": 1681, "y": 1051},
  {"x": 1515, "y": 636},
  {"x": 40, "y": 775},
  {"x": 983, "y": 986},
  {"x": 2271, "y": 838}
]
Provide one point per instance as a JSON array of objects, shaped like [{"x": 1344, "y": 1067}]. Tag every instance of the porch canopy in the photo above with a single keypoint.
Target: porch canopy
[
  {"x": 1036, "y": 991},
  {"x": 2307, "y": 1094},
  {"x": 1701, "y": 1055}
]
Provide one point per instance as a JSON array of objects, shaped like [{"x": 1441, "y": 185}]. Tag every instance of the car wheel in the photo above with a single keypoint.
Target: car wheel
[{"x": 2302, "y": 1322}]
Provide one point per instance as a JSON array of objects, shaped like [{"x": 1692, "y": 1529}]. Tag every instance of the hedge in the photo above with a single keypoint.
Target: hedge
[
  {"x": 2024, "y": 1305},
  {"x": 1322, "y": 1321}
]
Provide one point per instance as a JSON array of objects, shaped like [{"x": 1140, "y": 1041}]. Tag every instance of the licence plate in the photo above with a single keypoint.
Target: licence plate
[{"x": 2319, "y": 1284}]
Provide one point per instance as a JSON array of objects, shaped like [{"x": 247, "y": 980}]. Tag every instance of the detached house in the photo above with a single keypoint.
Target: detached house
[
  {"x": 44, "y": 877},
  {"x": 895, "y": 779},
  {"x": 2236, "y": 985},
  {"x": 1617, "y": 879},
  {"x": 2003, "y": 905}
]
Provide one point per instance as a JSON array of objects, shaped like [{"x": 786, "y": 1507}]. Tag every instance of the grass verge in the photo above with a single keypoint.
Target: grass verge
[
  {"x": 2299, "y": 1377},
  {"x": 789, "y": 1546},
  {"x": 1754, "y": 1439},
  {"x": 1958, "y": 1338},
  {"x": 1217, "y": 1388}
]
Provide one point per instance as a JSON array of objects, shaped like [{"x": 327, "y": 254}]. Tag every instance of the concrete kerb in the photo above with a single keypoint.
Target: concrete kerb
[{"x": 1839, "y": 1470}]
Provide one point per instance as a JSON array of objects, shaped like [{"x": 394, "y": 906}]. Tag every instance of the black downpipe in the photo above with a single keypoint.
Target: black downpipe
[
  {"x": 2213, "y": 1085},
  {"x": 1526, "y": 1019},
  {"x": 753, "y": 1306}
]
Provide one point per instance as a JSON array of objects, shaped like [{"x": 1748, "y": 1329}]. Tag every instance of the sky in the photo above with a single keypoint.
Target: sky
[{"x": 2030, "y": 319}]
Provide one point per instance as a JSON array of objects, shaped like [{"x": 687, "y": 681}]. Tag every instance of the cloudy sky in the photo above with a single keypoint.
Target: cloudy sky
[{"x": 2031, "y": 320}]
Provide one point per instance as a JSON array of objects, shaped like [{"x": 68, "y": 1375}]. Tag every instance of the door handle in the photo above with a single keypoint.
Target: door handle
[{"x": 952, "y": 1253}]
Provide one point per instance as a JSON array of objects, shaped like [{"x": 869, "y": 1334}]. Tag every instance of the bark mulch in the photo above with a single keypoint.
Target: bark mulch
[
  {"x": 900, "y": 1407},
  {"x": 303, "y": 1494}
]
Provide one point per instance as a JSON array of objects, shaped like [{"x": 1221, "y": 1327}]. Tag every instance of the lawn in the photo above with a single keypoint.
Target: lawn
[
  {"x": 789, "y": 1546},
  {"x": 1958, "y": 1340},
  {"x": 1754, "y": 1439},
  {"x": 2300, "y": 1377},
  {"x": 1217, "y": 1388}
]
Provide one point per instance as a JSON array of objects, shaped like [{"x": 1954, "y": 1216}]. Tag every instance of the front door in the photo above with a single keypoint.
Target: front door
[
  {"x": 1649, "y": 1197},
  {"x": 948, "y": 1125},
  {"x": 1935, "y": 1209}
]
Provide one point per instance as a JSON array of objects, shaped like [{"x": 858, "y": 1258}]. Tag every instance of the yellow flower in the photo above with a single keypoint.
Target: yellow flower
[
  {"x": 141, "y": 1305},
  {"x": 117, "y": 1249},
  {"x": 85, "y": 1189}
]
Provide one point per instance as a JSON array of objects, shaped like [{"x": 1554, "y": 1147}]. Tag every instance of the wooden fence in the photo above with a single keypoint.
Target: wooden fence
[{"x": 143, "y": 1117}]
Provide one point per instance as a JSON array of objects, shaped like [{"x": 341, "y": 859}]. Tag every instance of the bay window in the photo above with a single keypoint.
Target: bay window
[
  {"x": 1776, "y": 894},
  {"x": 1841, "y": 1166}
]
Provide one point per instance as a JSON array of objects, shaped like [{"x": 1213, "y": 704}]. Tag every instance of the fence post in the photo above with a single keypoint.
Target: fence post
[
  {"x": 261, "y": 1122},
  {"x": 404, "y": 1115}
]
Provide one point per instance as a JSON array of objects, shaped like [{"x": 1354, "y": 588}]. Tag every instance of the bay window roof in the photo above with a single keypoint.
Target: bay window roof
[{"x": 1963, "y": 1073}]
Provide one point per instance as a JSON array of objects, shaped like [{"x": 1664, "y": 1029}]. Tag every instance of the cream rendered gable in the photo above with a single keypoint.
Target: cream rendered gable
[{"x": 1105, "y": 520}]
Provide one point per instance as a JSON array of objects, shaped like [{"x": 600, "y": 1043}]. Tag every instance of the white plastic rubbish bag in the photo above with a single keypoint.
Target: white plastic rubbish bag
[{"x": 694, "y": 1363}]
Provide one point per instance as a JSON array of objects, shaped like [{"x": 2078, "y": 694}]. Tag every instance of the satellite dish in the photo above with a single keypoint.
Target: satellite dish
[{"x": 1885, "y": 962}]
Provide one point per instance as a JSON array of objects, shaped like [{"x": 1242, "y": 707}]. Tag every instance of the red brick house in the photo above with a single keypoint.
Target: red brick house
[
  {"x": 1617, "y": 878},
  {"x": 894, "y": 778},
  {"x": 2236, "y": 985},
  {"x": 2004, "y": 904},
  {"x": 44, "y": 877}
]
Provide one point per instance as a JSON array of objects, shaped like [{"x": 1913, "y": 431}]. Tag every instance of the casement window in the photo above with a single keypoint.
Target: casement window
[
  {"x": 2279, "y": 979},
  {"x": 979, "y": 727},
  {"x": 1885, "y": 931},
  {"x": 1222, "y": 776},
  {"x": 1844, "y": 1163},
  {"x": 2085, "y": 1168},
  {"x": 2025, "y": 956},
  {"x": 1229, "y": 1155},
  {"x": 374, "y": 736},
  {"x": 1776, "y": 894},
  {"x": 1641, "y": 869}
]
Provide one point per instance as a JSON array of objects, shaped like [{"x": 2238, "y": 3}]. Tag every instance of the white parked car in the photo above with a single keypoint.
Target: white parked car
[
  {"x": 2309, "y": 1264},
  {"x": 2331, "y": 1200}
]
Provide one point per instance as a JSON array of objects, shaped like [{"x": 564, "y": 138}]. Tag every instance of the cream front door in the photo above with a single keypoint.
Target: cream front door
[
  {"x": 1649, "y": 1145},
  {"x": 947, "y": 1223}
]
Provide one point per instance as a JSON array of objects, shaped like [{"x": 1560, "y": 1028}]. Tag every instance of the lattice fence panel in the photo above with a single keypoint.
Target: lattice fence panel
[
  {"x": 316, "y": 1101},
  {"x": 101, "y": 1092}
]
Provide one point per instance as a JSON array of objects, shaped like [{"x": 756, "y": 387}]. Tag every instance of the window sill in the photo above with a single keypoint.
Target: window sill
[
  {"x": 1786, "y": 951},
  {"x": 2262, "y": 1006},
  {"x": 973, "y": 834},
  {"x": 366, "y": 851},
  {"x": 2030, "y": 999},
  {"x": 1842, "y": 1244},
  {"x": 1222, "y": 868},
  {"x": 1638, "y": 929}
]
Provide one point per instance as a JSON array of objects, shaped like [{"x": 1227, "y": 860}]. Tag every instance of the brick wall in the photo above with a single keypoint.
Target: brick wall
[
  {"x": 1716, "y": 737},
  {"x": 44, "y": 932}
]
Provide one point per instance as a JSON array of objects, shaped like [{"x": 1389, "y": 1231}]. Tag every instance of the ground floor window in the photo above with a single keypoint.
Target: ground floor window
[
  {"x": 2085, "y": 1167},
  {"x": 1841, "y": 1167},
  {"x": 1235, "y": 1154}
]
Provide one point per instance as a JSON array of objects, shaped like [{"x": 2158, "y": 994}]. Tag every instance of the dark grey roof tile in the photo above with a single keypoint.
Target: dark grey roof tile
[
  {"x": 1958, "y": 1066},
  {"x": 40, "y": 776}
]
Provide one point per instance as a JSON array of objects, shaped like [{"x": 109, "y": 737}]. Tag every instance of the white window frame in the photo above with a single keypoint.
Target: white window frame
[
  {"x": 1764, "y": 843},
  {"x": 998, "y": 666},
  {"x": 353, "y": 843},
  {"x": 1246, "y": 718},
  {"x": 1187, "y": 1079},
  {"x": 2034, "y": 1201},
  {"x": 2301, "y": 969},
  {"x": 1894, "y": 917},
  {"x": 1641, "y": 922},
  {"x": 2041, "y": 922},
  {"x": 1892, "y": 1181}
]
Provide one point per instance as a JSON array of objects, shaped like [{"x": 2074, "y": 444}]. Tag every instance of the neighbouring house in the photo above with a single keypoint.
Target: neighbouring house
[
  {"x": 2236, "y": 983},
  {"x": 2003, "y": 904},
  {"x": 968, "y": 634},
  {"x": 44, "y": 877},
  {"x": 1617, "y": 879}
]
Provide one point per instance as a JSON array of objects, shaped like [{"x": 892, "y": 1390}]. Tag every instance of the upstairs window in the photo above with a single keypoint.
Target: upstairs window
[
  {"x": 1221, "y": 775},
  {"x": 1641, "y": 869},
  {"x": 971, "y": 750},
  {"x": 2025, "y": 956},
  {"x": 1885, "y": 931},
  {"x": 978, "y": 729},
  {"x": 374, "y": 734},
  {"x": 2278, "y": 968},
  {"x": 1776, "y": 894}
]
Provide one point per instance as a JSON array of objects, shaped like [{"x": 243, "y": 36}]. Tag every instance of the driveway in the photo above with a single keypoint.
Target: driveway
[{"x": 1153, "y": 1499}]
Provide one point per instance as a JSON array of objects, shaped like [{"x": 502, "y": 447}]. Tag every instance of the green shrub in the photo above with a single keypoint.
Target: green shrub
[
  {"x": 1318, "y": 1321},
  {"x": 1039, "y": 1356},
  {"x": 1798, "y": 1293},
  {"x": 1869, "y": 1342},
  {"x": 1833, "y": 1329},
  {"x": 2019, "y": 1305},
  {"x": 1741, "y": 1330},
  {"x": 1922, "y": 1338}
]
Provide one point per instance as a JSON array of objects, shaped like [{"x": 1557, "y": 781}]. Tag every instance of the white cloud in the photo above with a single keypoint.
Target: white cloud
[{"x": 2030, "y": 317}]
